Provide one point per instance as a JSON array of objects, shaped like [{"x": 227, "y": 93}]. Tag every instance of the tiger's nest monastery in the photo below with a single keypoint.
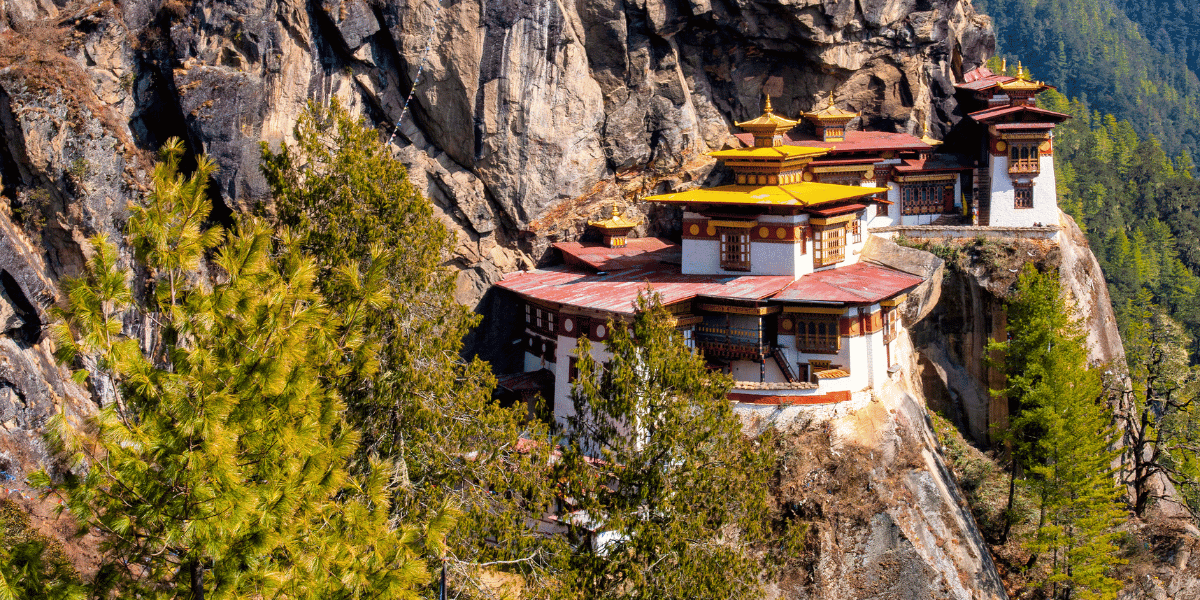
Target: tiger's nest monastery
[{"x": 766, "y": 281}]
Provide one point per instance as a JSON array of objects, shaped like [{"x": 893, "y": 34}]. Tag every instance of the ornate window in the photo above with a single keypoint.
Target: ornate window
[
  {"x": 735, "y": 248},
  {"x": 922, "y": 198},
  {"x": 1023, "y": 196},
  {"x": 1024, "y": 158},
  {"x": 856, "y": 229},
  {"x": 829, "y": 245},
  {"x": 817, "y": 333}
]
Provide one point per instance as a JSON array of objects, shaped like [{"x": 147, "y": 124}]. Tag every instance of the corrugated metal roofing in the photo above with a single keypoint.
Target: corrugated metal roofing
[
  {"x": 616, "y": 291},
  {"x": 855, "y": 141},
  {"x": 857, "y": 283},
  {"x": 937, "y": 162},
  {"x": 838, "y": 210},
  {"x": 1017, "y": 126},
  {"x": 635, "y": 251},
  {"x": 984, "y": 116}
]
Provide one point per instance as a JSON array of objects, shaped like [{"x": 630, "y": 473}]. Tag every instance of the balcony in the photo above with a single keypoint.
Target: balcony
[
  {"x": 1024, "y": 167},
  {"x": 731, "y": 342}
]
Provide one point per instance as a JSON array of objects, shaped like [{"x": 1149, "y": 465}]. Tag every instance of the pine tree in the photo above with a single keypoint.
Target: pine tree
[
  {"x": 420, "y": 405},
  {"x": 678, "y": 492},
  {"x": 219, "y": 470},
  {"x": 1063, "y": 437}
]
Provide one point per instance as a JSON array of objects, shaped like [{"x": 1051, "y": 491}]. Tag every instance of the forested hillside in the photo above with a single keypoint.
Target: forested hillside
[{"x": 1092, "y": 50}]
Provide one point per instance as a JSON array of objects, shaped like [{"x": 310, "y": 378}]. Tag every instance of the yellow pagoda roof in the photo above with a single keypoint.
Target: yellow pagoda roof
[
  {"x": 768, "y": 123},
  {"x": 794, "y": 194},
  {"x": 1021, "y": 84},
  {"x": 831, "y": 112},
  {"x": 784, "y": 152},
  {"x": 616, "y": 221}
]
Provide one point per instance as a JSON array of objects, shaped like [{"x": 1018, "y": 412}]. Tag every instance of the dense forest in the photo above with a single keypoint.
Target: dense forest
[{"x": 1137, "y": 71}]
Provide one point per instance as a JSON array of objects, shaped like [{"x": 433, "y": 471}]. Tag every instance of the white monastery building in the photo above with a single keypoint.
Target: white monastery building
[{"x": 766, "y": 281}]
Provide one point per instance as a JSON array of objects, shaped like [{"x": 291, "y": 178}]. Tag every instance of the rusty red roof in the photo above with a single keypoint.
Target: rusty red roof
[
  {"x": 855, "y": 284},
  {"x": 599, "y": 257},
  {"x": 837, "y": 210},
  {"x": 937, "y": 162},
  {"x": 1024, "y": 125},
  {"x": 990, "y": 114},
  {"x": 855, "y": 141},
  {"x": 616, "y": 291},
  {"x": 977, "y": 73}
]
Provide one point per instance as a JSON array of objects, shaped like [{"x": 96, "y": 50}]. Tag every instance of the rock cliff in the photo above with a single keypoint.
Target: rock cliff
[{"x": 527, "y": 117}]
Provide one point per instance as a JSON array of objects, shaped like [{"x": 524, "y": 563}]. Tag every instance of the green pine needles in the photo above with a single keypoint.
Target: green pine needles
[
  {"x": 1062, "y": 437},
  {"x": 218, "y": 469},
  {"x": 680, "y": 493}
]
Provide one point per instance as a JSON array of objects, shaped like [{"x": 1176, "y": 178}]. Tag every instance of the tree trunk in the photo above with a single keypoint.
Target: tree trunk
[{"x": 196, "y": 574}]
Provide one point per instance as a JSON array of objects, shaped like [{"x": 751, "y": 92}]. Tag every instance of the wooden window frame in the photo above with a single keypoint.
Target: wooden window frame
[
  {"x": 856, "y": 229},
  {"x": 890, "y": 323},
  {"x": 823, "y": 238},
  {"x": 735, "y": 248},
  {"x": 1024, "y": 158},
  {"x": 924, "y": 198},
  {"x": 818, "y": 333},
  {"x": 1023, "y": 196}
]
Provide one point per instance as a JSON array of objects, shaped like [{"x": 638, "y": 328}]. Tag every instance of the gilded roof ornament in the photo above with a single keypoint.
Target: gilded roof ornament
[
  {"x": 615, "y": 222},
  {"x": 767, "y": 124},
  {"x": 830, "y": 113},
  {"x": 925, "y": 137}
]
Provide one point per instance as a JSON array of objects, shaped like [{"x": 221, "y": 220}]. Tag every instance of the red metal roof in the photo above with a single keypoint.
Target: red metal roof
[
  {"x": 857, "y": 283},
  {"x": 636, "y": 251},
  {"x": 855, "y": 141},
  {"x": 991, "y": 114},
  {"x": 1023, "y": 125},
  {"x": 977, "y": 73},
  {"x": 937, "y": 162},
  {"x": 837, "y": 210},
  {"x": 616, "y": 291},
  {"x": 531, "y": 381}
]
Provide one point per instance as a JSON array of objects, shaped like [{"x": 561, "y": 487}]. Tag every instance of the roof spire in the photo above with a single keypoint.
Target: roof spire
[
  {"x": 1020, "y": 70},
  {"x": 767, "y": 107},
  {"x": 1003, "y": 66}
]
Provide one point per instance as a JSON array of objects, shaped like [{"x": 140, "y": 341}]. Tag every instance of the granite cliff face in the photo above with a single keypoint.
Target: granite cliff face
[{"x": 529, "y": 117}]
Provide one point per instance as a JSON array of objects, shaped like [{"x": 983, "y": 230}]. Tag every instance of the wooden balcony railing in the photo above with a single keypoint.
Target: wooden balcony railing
[{"x": 731, "y": 342}]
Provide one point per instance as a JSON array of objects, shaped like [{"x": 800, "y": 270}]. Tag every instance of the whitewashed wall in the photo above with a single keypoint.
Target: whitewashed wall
[{"x": 1045, "y": 197}]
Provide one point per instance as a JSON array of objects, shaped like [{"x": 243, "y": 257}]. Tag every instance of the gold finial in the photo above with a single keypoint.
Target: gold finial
[
  {"x": 1020, "y": 70},
  {"x": 615, "y": 213},
  {"x": 1003, "y": 66},
  {"x": 767, "y": 107},
  {"x": 830, "y": 98}
]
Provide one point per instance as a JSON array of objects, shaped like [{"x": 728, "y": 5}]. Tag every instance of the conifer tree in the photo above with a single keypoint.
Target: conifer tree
[
  {"x": 1160, "y": 427},
  {"x": 1063, "y": 437},
  {"x": 219, "y": 471},
  {"x": 678, "y": 492},
  {"x": 421, "y": 405}
]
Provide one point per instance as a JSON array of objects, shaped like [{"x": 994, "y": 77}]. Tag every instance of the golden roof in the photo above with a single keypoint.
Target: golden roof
[
  {"x": 831, "y": 112},
  {"x": 1021, "y": 84},
  {"x": 616, "y": 221},
  {"x": 795, "y": 194},
  {"x": 779, "y": 152},
  {"x": 768, "y": 123}
]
